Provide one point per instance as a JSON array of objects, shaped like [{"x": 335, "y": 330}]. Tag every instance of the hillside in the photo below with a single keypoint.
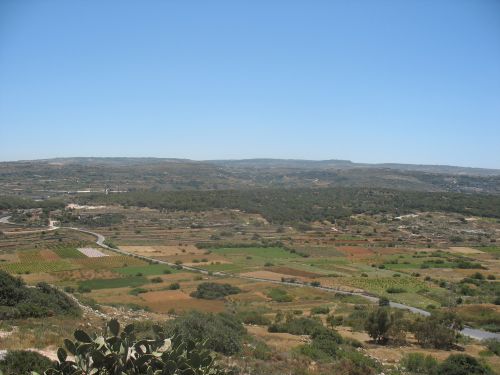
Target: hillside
[{"x": 43, "y": 178}]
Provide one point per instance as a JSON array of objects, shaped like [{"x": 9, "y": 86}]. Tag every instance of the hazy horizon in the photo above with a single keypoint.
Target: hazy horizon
[
  {"x": 358, "y": 162},
  {"x": 372, "y": 82}
]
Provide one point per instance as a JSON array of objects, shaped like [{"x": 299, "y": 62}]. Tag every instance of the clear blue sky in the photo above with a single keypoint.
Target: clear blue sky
[{"x": 414, "y": 81}]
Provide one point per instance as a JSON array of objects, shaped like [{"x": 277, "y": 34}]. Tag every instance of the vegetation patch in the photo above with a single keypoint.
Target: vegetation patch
[
  {"x": 121, "y": 282},
  {"x": 279, "y": 295},
  {"x": 19, "y": 301},
  {"x": 210, "y": 290}
]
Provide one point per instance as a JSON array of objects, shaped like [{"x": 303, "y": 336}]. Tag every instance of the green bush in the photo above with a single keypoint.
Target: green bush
[
  {"x": 493, "y": 346},
  {"x": 320, "y": 310},
  {"x": 377, "y": 324},
  {"x": 418, "y": 363},
  {"x": 22, "y": 362},
  {"x": 298, "y": 326},
  {"x": 393, "y": 290},
  {"x": 210, "y": 290},
  {"x": 383, "y": 301},
  {"x": 222, "y": 332},
  {"x": 279, "y": 295},
  {"x": 438, "y": 330},
  {"x": 253, "y": 317},
  {"x": 462, "y": 364},
  {"x": 19, "y": 301},
  {"x": 174, "y": 286}
]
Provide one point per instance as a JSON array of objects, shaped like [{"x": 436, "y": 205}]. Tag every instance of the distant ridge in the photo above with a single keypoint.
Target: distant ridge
[{"x": 268, "y": 163}]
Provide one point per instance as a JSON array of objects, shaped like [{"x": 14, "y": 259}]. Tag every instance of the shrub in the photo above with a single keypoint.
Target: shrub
[
  {"x": 298, "y": 326},
  {"x": 137, "y": 291},
  {"x": 156, "y": 280},
  {"x": 438, "y": 331},
  {"x": 493, "y": 346},
  {"x": 462, "y": 364},
  {"x": 394, "y": 290},
  {"x": 253, "y": 317},
  {"x": 383, "y": 301},
  {"x": 174, "y": 286},
  {"x": 320, "y": 310},
  {"x": 418, "y": 363},
  {"x": 18, "y": 300},
  {"x": 21, "y": 362},
  {"x": 84, "y": 289},
  {"x": 377, "y": 325},
  {"x": 262, "y": 351},
  {"x": 222, "y": 332},
  {"x": 279, "y": 295},
  {"x": 209, "y": 290},
  {"x": 334, "y": 320}
]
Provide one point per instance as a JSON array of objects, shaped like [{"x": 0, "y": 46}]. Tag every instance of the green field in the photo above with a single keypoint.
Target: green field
[
  {"x": 68, "y": 252},
  {"x": 122, "y": 282}
]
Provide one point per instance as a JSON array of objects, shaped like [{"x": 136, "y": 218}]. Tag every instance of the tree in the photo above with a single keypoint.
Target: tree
[
  {"x": 377, "y": 324},
  {"x": 383, "y": 301},
  {"x": 438, "y": 330},
  {"x": 121, "y": 353},
  {"x": 462, "y": 364}
]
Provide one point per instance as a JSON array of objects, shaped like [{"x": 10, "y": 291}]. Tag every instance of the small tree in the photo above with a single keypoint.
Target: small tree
[
  {"x": 377, "y": 324},
  {"x": 383, "y": 301},
  {"x": 438, "y": 331}
]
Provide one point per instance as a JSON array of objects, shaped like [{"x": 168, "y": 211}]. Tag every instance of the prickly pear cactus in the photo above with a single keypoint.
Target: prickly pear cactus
[{"x": 120, "y": 353}]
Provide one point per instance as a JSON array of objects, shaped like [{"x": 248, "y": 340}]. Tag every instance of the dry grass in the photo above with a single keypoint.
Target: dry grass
[
  {"x": 177, "y": 300},
  {"x": 464, "y": 250}
]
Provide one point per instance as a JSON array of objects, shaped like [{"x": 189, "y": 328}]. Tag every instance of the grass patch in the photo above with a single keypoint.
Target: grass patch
[
  {"x": 122, "y": 282},
  {"x": 68, "y": 253},
  {"x": 38, "y": 267},
  {"x": 490, "y": 249},
  {"x": 118, "y": 261},
  {"x": 279, "y": 295}
]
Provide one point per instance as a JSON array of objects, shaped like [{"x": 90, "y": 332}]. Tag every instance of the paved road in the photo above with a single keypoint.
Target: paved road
[{"x": 477, "y": 334}]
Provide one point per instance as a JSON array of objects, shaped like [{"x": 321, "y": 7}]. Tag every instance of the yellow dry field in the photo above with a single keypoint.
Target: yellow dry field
[
  {"x": 115, "y": 295},
  {"x": 85, "y": 274},
  {"x": 34, "y": 278},
  {"x": 9, "y": 258},
  {"x": 167, "y": 300},
  {"x": 464, "y": 250},
  {"x": 163, "y": 250},
  {"x": 280, "y": 341}
]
